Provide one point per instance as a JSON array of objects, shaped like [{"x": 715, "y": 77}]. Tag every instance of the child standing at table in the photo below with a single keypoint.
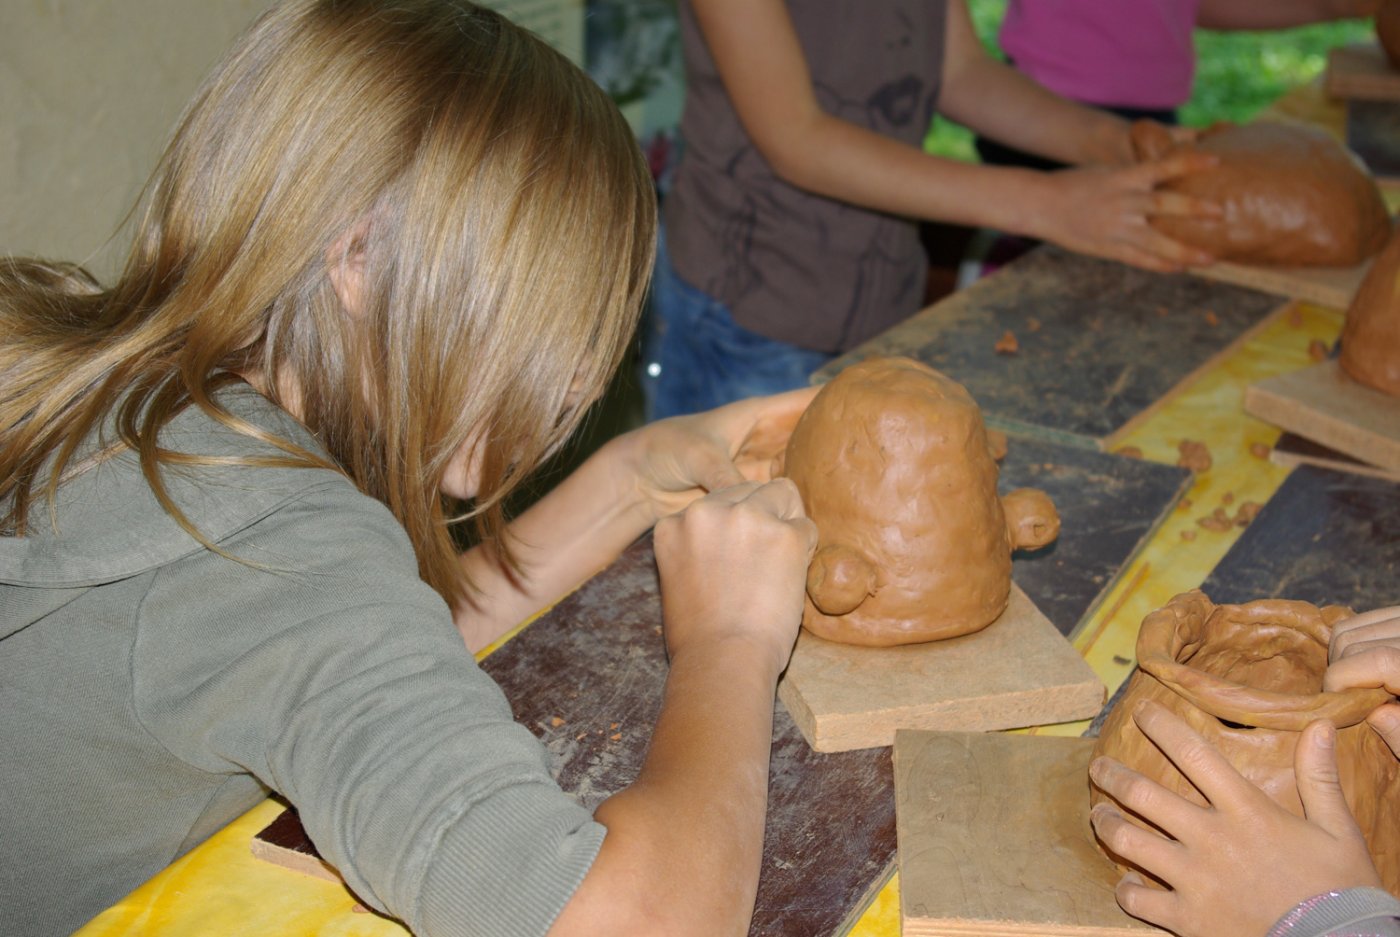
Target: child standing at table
[
  {"x": 790, "y": 229},
  {"x": 392, "y": 253}
]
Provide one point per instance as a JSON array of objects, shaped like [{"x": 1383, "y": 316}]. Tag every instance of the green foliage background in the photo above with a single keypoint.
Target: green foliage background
[{"x": 1237, "y": 73}]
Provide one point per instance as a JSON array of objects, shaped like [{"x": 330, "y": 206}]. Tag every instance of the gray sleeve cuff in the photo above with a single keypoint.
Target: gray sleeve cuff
[
  {"x": 480, "y": 881},
  {"x": 1356, "y": 912}
]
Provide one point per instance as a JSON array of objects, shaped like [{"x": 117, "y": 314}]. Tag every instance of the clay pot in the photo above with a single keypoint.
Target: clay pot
[
  {"x": 895, "y": 469},
  {"x": 1388, "y": 30},
  {"x": 1371, "y": 339},
  {"x": 1249, "y": 678},
  {"x": 1291, "y": 194}
]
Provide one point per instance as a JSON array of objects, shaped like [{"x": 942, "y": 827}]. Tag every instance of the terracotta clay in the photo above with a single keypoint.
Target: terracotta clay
[
  {"x": 1371, "y": 338},
  {"x": 1291, "y": 195},
  {"x": 1388, "y": 30},
  {"x": 895, "y": 469},
  {"x": 1249, "y": 678}
]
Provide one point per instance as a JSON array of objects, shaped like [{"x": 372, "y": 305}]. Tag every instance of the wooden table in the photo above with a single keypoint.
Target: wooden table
[{"x": 219, "y": 888}]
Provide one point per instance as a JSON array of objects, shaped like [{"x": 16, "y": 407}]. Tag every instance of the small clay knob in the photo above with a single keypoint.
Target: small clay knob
[
  {"x": 839, "y": 579},
  {"x": 1031, "y": 519}
]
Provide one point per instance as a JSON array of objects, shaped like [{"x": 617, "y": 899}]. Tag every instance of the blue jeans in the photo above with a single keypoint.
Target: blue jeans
[{"x": 695, "y": 358}]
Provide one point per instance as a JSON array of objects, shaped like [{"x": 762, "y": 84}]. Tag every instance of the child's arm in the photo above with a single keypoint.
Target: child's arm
[
  {"x": 685, "y": 842},
  {"x": 1237, "y": 866},
  {"x": 616, "y": 495},
  {"x": 1277, "y": 14},
  {"x": 1101, "y": 211}
]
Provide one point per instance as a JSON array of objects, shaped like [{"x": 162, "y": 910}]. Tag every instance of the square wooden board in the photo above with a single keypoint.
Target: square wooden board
[
  {"x": 1018, "y": 671},
  {"x": 1333, "y": 287},
  {"x": 994, "y": 839},
  {"x": 1323, "y": 404}
]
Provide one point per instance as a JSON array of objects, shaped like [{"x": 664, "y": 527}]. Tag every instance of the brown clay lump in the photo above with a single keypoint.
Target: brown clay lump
[
  {"x": 895, "y": 469},
  {"x": 1290, "y": 194},
  {"x": 1249, "y": 678},
  {"x": 1371, "y": 338}
]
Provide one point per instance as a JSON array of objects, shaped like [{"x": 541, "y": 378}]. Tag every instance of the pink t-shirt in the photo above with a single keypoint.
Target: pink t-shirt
[{"x": 1126, "y": 53}]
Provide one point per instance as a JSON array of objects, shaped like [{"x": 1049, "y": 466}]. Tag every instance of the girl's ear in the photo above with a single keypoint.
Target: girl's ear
[{"x": 345, "y": 265}]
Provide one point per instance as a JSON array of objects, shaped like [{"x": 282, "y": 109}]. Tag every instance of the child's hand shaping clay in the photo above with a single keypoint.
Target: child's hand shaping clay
[
  {"x": 1365, "y": 652},
  {"x": 1106, "y": 212},
  {"x": 733, "y": 568},
  {"x": 1237, "y": 866},
  {"x": 679, "y": 459}
]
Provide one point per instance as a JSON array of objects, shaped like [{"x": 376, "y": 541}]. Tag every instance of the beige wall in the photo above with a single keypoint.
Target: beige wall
[{"x": 89, "y": 89}]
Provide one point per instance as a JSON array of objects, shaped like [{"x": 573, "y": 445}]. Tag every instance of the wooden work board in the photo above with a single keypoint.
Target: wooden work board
[
  {"x": 1019, "y": 671},
  {"x": 1373, "y": 133},
  {"x": 1361, "y": 71},
  {"x": 1293, "y": 450},
  {"x": 1100, "y": 344},
  {"x": 1324, "y": 404},
  {"x": 995, "y": 841},
  {"x": 587, "y": 679},
  {"x": 1333, "y": 287},
  {"x": 1330, "y": 538}
]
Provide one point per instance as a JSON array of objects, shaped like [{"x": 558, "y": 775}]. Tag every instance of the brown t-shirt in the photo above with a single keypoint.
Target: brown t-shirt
[{"x": 791, "y": 265}]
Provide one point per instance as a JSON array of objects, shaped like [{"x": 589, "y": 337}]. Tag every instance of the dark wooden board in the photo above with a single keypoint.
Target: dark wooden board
[
  {"x": 1108, "y": 504},
  {"x": 1324, "y": 537},
  {"x": 1100, "y": 342},
  {"x": 1373, "y": 133},
  {"x": 587, "y": 679}
]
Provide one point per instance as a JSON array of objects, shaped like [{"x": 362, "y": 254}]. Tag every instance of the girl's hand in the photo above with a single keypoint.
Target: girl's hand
[
  {"x": 677, "y": 460},
  {"x": 1107, "y": 212},
  {"x": 1365, "y": 652},
  {"x": 733, "y": 567},
  {"x": 1238, "y": 865}
]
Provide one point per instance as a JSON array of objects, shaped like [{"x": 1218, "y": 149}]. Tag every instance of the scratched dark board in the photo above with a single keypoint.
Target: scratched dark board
[
  {"x": 1108, "y": 506},
  {"x": 594, "y": 668},
  {"x": 1326, "y": 537},
  {"x": 1373, "y": 133},
  {"x": 1100, "y": 342}
]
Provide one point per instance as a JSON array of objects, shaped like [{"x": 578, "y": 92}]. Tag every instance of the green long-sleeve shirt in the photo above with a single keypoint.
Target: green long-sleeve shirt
[{"x": 153, "y": 690}]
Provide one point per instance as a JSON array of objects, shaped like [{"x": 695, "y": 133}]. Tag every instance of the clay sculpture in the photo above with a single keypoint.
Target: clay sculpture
[
  {"x": 1249, "y": 678},
  {"x": 895, "y": 469},
  {"x": 1388, "y": 30},
  {"x": 1290, "y": 195},
  {"x": 1371, "y": 338}
]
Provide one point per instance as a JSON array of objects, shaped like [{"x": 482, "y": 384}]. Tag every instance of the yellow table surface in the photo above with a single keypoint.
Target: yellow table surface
[{"x": 219, "y": 888}]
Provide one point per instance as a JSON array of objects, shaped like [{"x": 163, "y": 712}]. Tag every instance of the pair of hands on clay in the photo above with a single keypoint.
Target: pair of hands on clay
[
  {"x": 1244, "y": 844},
  {"x": 732, "y": 542},
  {"x": 1108, "y": 212}
]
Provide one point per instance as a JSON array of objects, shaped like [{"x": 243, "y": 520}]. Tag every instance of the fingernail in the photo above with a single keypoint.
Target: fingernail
[
  {"x": 1327, "y": 736},
  {"x": 1133, "y": 878}
]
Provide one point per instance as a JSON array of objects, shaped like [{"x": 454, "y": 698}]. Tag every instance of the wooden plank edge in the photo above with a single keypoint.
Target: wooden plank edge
[
  {"x": 913, "y": 927},
  {"x": 1045, "y": 705},
  {"x": 1344, "y": 464},
  {"x": 1263, "y": 402},
  {"x": 304, "y": 863}
]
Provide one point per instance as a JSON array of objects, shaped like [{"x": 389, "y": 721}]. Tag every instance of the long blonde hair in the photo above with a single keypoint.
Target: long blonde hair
[{"x": 505, "y": 220}]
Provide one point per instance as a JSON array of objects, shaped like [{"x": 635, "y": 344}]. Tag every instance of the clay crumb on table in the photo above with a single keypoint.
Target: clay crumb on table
[
  {"x": 1212, "y": 319},
  {"x": 1194, "y": 456},
  {"x": 1007, "y": 344},
  {"x": 1259, "y": 450},
  {"x": 1227, "y": 498},
  {"x": 1248, "y": 511},
  {"x": 1188, "y": 535},
  {"x": 1317, "y": 350}
]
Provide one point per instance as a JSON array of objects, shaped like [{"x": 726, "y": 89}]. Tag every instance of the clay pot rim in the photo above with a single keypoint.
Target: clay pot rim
[{"x": 1168, "y": 628}]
